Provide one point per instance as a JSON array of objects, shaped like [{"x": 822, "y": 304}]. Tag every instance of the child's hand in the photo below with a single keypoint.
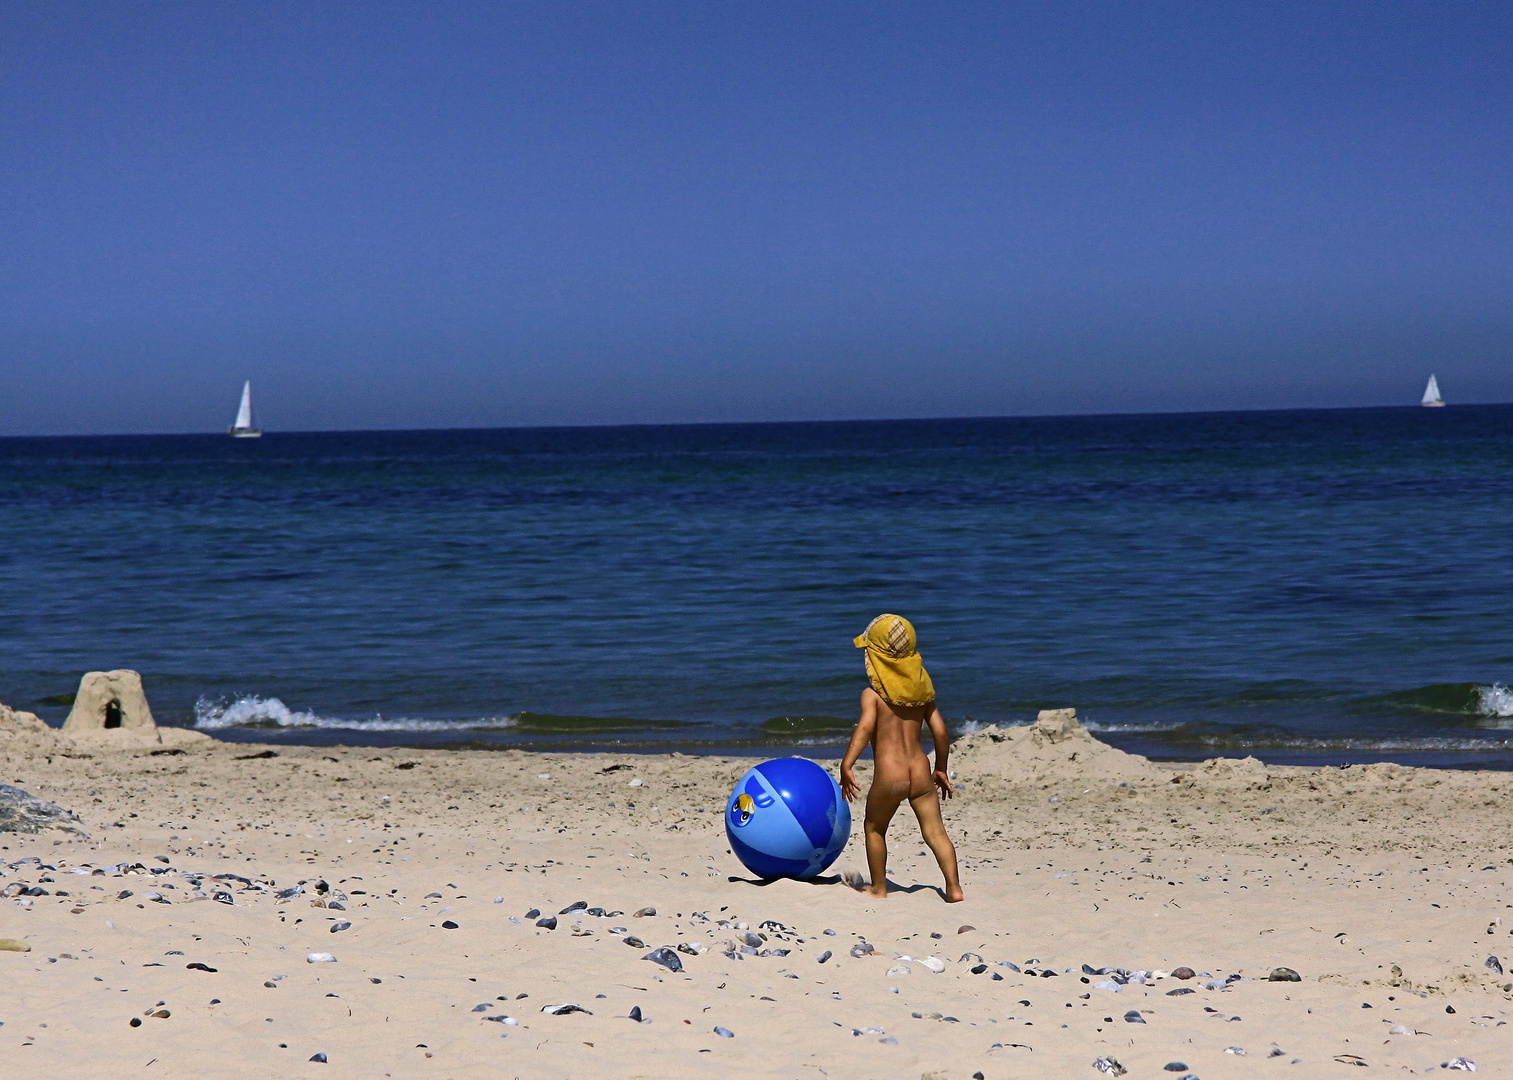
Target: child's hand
[
  {"x": 943, "y": 782},
  {"x": 849, "y": 787}
]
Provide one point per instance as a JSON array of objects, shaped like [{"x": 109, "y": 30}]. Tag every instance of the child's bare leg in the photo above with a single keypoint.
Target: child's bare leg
[
  {"x": 882, "y": 804},
  {"x": 927, "y": 810}
]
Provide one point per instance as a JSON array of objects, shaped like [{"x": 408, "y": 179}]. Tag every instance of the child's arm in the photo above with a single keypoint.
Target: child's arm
[
  {"x": 865, "y": 727},
  {"x": 942, "y": 775}
]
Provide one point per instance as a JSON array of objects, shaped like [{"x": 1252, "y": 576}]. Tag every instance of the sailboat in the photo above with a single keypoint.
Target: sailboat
[
  {"x": 243, "y": 428},
  {"x": 1432, "y": 400}
]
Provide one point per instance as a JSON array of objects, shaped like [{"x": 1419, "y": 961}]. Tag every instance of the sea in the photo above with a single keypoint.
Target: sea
[{"x": 1321, "y": 586}]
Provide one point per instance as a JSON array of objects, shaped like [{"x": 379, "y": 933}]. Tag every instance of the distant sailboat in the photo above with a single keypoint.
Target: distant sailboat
[
  {"x": 1432, "y": 400},
  {"x": 243, "y": 428}
]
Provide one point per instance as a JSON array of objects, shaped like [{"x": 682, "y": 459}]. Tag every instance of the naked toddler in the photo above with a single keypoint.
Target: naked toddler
[{"x": 899, "y": 702}]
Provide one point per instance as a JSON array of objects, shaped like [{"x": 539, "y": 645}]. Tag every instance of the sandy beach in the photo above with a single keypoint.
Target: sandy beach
[{"x": 179, "y": 937}]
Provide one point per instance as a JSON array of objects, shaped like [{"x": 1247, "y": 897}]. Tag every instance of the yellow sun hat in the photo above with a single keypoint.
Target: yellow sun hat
[{"x": 894, "y": 666}]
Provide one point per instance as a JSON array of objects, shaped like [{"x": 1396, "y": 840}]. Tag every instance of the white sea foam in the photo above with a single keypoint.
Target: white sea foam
[
  {"x": 1495, "y": 701},
  {"x": 1093, "y": 725},
  {"x": 971, "y": 727},
  {"x": 254, "y": 711},
  {"x": 1349, "y": 743}
]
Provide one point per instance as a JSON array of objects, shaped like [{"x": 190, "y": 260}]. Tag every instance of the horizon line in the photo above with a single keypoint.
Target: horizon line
[{"x": 768, "y": 423}]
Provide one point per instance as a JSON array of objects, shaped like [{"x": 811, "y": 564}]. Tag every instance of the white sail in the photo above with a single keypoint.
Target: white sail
[
  {"x": 243, "y": 428},
  {"x": 1431, "y": 393},
  {"x": 244, "y": 414}
]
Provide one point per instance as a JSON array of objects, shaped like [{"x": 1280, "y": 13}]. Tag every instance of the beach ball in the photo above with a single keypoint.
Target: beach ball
[{"x": 786, "y": 818}]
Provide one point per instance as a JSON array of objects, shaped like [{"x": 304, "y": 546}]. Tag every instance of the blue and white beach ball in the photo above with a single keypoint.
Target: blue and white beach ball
[{"x": 786, "y": 818}]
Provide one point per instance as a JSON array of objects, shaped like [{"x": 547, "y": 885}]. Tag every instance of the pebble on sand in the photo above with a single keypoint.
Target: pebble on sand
[
  {"x": 320, "y": 958},
  {"x": 666, "y": 957},
  {"x": 318, "y": 1057},
  {"x": 12, "y": 945},
  {"x": 724, "y": 1033},
  {"x": 1184, "y": 973},
  {"x": 548, "y": 923},
  {"x": 1283, "y": 974}
]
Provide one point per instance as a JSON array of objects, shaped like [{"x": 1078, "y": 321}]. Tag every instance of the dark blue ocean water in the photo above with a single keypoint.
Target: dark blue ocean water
[{"x": 1307, "y": 586}]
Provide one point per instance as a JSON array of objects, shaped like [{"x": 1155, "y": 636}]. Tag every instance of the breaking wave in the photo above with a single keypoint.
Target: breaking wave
[
  {"x": 1495, "y": 701},
  {"x": 1399, "y": 743},
  {"x": 1132, "y": 727},
  {"x": 252, "y": 711}
]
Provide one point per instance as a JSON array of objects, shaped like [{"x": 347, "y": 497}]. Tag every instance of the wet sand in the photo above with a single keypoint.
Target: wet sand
[{"x": 1381, "y": 886}]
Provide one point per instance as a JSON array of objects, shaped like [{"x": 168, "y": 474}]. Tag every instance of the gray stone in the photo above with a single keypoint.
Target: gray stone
[
  {"x": 666, "y": 957},
  {"x": 21, "y": 811}
]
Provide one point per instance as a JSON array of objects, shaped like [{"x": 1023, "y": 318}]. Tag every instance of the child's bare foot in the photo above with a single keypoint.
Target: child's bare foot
[
  {"x": 880, "y": 892},
  {"x": 955, "y": 896}
]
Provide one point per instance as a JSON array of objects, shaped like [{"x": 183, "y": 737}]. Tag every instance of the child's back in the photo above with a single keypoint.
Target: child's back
[{"x": 899, "y": 703}]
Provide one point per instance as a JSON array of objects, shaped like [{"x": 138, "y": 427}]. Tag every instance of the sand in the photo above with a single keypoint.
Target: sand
[{"x": 1381, "y": 886}]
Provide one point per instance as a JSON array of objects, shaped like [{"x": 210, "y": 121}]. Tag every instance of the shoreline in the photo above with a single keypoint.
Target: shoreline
[
  {"x": 1072, "y": 853},
  {"x": 1284, "y": 757}
]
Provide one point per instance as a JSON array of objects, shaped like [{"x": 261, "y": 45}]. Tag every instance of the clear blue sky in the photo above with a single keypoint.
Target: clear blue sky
[{"x": 436, "y": 214}]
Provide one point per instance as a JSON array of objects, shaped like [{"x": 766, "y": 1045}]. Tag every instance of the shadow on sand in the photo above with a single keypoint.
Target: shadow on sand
[{"x": 836, "y": 879}]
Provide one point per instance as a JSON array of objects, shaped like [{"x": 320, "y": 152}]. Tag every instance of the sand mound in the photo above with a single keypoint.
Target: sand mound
[
  {"x": 1055, "y": 747},
  {"x": 24, "y": 731},
  {"x": 1249, "y": 770}
]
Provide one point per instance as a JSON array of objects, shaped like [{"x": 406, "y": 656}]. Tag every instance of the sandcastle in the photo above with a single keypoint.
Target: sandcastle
[
  {"x": 110, "y": 710},
  {"x": 108, "y": 700}
]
